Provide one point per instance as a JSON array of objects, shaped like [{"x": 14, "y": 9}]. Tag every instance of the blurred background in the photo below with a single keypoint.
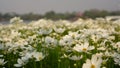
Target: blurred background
[{"x": 57, "y": 9}]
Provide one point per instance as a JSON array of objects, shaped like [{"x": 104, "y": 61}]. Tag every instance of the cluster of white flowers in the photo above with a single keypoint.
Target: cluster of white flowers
[
  {"x": 16, "y": 20},
  {"x": 82, "y": 43}
]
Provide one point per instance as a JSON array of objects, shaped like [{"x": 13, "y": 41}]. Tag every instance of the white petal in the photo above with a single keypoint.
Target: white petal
[
  {"x": 17, "y": 65},
  {"x": 91, "y": 48},
  {"x": 20, "y": 61},
  {"x": 94, "y": 59}
]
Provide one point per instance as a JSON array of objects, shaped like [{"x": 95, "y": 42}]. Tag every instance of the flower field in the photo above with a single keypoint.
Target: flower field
[{"x": 60, "y": 44}]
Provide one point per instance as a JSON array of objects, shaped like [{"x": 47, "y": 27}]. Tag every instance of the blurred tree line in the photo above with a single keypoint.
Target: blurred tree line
[{"x": 93, "y": 13}]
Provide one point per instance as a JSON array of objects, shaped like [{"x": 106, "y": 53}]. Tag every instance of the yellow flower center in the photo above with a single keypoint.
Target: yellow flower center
[
  {"x": 40, "y": 58},
  {"x": 73, "y": 35},
  {"x": 84, "y": 49},
  {"x": 92, "y": 66}
]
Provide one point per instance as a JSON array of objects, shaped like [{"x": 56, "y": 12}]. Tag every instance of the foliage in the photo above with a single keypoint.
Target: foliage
[{"x": 92, "y": 13}]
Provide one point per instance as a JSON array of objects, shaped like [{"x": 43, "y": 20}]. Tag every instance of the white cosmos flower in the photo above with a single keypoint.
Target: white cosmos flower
[
  {"x": 75, "y": 58},
  {"x": 38, "y": 55},
  {"x": 21, "y": 42},
  {"x": 99, "y": 54},
  {"x": 44, "y": 31},
  {"x": 74, "y": 35},
  {"x": 24, "y": 60},
  {"x": 95, "y": 62},
  {"x": 95, "y": 38},
  {"x": 117, "y": 58},
  {"x": 50, "y": 41},
  {"x": 83, "y": 47},
  {"x": 107, "y": 53},
  {"x": 2, "y": 62},
  {"x": 59, "y": 30},
  {"x": 66, "y": 40},
  {"x": 40, "y": 22},
  {"x": 20, "y": 63},
  {"x": 14, "y": 33}
]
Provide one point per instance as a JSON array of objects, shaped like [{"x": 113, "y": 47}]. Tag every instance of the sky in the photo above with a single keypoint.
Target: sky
[{"x": 59, "y": 6}]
